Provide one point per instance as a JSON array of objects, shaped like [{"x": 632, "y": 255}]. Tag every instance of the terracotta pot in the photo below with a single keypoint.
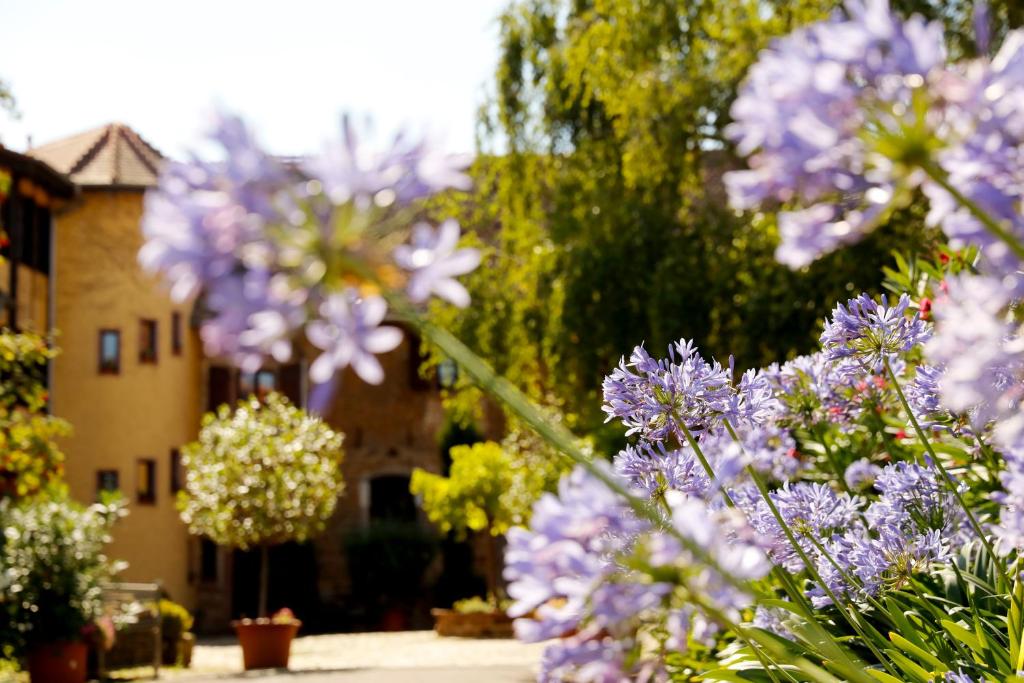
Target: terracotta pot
[
  {"x": 265, "y": 645},
  {"x": 62, "y": 662}
]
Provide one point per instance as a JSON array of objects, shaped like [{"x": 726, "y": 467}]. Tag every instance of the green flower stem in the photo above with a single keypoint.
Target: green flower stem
[
  {"x": 810, "y": 566},
  {"x": 703, "y": 460},
  {"x": 999, "y": 230},
  {"x": 830, "y": 456},
  {"x": 950, "y": 482},
  {"x": 554, "y": 433}
]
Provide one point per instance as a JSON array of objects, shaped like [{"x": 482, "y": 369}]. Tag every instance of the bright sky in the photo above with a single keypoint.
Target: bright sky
[{"x": 289, "y": 66}]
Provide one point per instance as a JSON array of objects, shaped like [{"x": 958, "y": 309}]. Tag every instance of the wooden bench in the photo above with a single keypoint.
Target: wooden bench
[{"x": 137, "y": 643}]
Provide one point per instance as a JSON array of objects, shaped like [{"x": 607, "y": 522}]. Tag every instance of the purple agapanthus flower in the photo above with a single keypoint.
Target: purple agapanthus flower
[
  {"x": 871, "y": 332},
  {"x": 915, "y": 500},
  {"x": 352, "y": 170},
  {"x": 923, "y": 393},
  {"x": 1010, "y": 529},
  {"x": 654, "y": 469},
  {"x": 434, "y": 262},
  {"x": 654, "y": 397},
  {"x": 201, "y": 214},
  {"x": 810, "y": 510},
  {"x": 861, "y": 474},
  {"x": 800, "y": 118},
  {"x": 978, "y": 346},
  {"x": 984, "y": 118},
  {"x": 350, "y": 334}
]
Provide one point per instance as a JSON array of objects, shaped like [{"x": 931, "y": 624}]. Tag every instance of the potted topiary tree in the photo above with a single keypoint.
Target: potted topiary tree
[
  {"x": 260, "y": 475},
  {"x": 52, "y": 568},
  {"x": 475, "y": 497}
]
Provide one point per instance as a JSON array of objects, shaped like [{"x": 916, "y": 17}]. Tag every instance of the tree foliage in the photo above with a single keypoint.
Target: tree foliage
[
  {"x": 30, "y": 459},
  {"x": 599, "y": 204},
  {"x": 262, "y": 474},
  {"x": 472, "y": 497}
]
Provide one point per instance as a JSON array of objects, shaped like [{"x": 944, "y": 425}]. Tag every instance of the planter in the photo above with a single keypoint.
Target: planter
[
  {"x": 265, "y": 644},
  {"x": 185, "y": 645},
  {"x": 58, "y": 663},
  {"x": 495, "y": 624}
]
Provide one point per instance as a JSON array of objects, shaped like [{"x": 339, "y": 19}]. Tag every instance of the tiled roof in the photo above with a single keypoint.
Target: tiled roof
[{"x": 111, "y": 155}]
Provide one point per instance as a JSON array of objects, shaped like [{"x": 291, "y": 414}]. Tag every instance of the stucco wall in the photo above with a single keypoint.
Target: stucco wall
[{"x": 146, "y": 409}]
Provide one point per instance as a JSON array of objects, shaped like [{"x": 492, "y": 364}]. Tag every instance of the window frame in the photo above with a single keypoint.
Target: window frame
[
  {"x": 177, "y": 478},
  {"x": 149, "y": 356},
  {"x": 177, "y": 338},
  {"x": 145, "y": 497},
  {"x": 116, "y": 369}
]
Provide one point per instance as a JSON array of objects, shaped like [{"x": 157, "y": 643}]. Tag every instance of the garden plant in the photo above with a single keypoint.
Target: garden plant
[
  {"x": 52, "y": 569},
  {"x": 261, "y": 474},
  {"x": 849, "y": 515}
]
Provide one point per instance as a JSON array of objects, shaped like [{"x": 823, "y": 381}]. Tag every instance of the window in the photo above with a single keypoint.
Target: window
[
  {"x": 177, "y": 342},
  {"x": 145, "y": 481},
  {"x": 257, "y": 384},
  {"x": 147, "y": 341},
  {"x": 110, "y": 352},
  {"x": 107, "y": 480},
  {"x": 177, "y": 472}
]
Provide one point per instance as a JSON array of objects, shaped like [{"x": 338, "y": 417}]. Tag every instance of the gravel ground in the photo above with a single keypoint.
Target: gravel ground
[{"x": 359, "y": 657}]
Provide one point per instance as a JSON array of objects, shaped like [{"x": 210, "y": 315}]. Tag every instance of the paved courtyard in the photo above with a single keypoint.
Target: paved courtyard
[{"x": 375, "y": 658}]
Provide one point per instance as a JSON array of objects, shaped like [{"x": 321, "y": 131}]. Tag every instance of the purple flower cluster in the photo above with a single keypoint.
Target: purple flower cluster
[
  {"x": 568, "y": 571},
  {"x": 654, "y": 398},
  {"x": 978, "y": 346},
  {"x": 844, "y": 117},
  {"x": 872, "y": 333},
  {"x": 265, "y": 243},
  {"x": 801, "y": 118}
]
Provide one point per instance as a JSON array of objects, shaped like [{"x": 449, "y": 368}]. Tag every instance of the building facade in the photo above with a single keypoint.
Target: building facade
[{"x": 133, "y": 382}]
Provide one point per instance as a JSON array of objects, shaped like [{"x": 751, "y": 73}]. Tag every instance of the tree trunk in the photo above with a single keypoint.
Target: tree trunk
[
  {"x": 493, "y": 567},
  {"x": 264, "y": 579}
]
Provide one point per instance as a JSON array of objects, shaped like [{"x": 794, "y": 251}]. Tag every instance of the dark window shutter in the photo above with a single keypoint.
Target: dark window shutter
[
  {"x": 218, "y": 389},
  {"x": 289, "y": 383}
]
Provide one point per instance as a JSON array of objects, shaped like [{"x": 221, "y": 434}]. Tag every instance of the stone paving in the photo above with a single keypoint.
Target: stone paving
[{"x": 375, "y": 658}]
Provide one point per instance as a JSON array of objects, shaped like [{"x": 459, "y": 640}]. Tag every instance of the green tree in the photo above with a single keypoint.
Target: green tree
[
  {"x": 261, "y": 475},
  {"x": 472, "y": 498},
  {"x": 599, "y": 205}
]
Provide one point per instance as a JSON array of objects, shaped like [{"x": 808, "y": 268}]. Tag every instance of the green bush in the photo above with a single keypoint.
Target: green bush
[{"x": 175, "y": 619}]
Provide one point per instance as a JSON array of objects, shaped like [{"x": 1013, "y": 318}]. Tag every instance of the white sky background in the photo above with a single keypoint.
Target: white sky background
[{"x": 290, "y": 67}]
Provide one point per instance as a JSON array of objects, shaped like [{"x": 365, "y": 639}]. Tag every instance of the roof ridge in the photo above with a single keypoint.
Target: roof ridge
[
  {"x": 133, "y": 140},
  {"x": 91, "y": 153},
  {"x": 134, "y": 135}
]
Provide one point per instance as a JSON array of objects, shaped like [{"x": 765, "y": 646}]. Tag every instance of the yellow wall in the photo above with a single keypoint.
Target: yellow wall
[{"x": 144, "y": 411}]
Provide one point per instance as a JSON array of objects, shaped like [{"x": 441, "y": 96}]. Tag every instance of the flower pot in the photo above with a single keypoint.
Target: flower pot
[
  {"x": 185, "y": 646},
  {"x": 265, "y": 644},
  {"x": 471, "y": 624},
  {"x": 62, "y": 662}
]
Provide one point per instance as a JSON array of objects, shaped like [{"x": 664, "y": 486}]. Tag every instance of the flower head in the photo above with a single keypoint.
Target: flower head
[
  {"x": 434, "y": 262},
  {"x": 871, "y": 332},
  {"x": 350, "y": 333}
]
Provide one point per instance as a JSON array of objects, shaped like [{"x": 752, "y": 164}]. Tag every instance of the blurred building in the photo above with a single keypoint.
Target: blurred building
[
  {"x": 30, "y": 192},
  {"x": 133, "y": 381}
]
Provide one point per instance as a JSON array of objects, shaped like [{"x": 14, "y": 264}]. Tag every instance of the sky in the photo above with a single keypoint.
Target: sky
[{"x": 290, "y": 67}]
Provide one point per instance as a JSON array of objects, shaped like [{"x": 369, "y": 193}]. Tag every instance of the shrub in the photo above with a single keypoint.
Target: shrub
[
  {"x": 52, "y": 566},
  {"x": 260, "y": 475}
]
